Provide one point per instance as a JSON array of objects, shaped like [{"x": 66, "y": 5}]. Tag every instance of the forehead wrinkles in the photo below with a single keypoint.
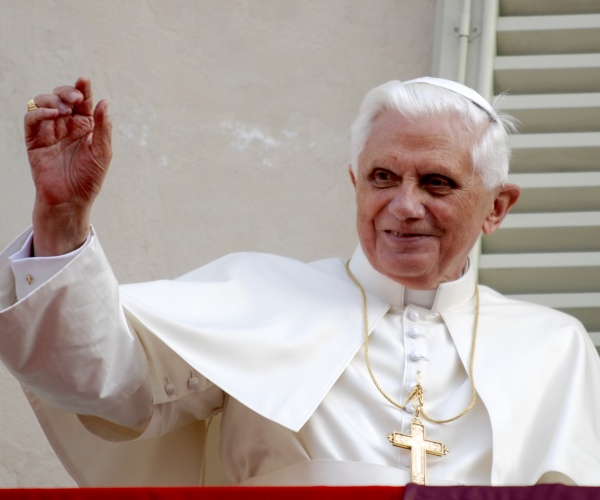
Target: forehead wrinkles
[{"x": 396, "y": 139}]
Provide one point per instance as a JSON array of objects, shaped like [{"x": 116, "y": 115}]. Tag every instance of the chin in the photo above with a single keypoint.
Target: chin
[{"x": 409, "y": 271}]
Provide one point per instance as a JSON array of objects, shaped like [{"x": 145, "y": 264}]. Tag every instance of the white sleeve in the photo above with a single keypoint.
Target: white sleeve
[{"x": 68, "y": 341}]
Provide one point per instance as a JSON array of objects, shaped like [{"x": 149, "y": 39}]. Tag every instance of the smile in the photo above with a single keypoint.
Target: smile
[{"x": 404, "y": 235}]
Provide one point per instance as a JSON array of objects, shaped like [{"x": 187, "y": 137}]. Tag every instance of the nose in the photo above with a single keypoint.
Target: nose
[{"x": 407, "y": 202}]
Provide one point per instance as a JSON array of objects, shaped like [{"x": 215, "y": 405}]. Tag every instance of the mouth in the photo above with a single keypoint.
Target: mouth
[{"x": 397, "y": 234}]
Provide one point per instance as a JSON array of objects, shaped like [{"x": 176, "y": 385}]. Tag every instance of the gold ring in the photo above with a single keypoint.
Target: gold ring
[{"x": 31, "y": 105}]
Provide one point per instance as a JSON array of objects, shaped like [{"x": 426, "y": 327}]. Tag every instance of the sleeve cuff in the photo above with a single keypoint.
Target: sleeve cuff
[{"x": 32, "y": 272}]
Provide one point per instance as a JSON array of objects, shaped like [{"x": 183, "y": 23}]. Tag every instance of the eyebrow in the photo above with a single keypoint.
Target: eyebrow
[{"x": 429, "y": 166}]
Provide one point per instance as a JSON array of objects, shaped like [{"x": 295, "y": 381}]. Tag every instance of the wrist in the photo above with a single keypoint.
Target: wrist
[{"x": 58, "y": 230}]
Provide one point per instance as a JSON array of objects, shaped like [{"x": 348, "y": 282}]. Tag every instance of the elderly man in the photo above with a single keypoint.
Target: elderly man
[{"x": 390, "y": 368}]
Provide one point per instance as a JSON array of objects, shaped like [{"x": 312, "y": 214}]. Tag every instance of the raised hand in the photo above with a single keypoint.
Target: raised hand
[{"x": 69, "y": 148}]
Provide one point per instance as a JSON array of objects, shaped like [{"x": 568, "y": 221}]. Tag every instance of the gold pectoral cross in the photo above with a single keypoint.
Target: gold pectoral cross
[{"x": 419, "y": 448}]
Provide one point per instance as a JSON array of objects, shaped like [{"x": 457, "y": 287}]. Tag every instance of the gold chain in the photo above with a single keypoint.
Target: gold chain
[{"x": 418, "y": 392}]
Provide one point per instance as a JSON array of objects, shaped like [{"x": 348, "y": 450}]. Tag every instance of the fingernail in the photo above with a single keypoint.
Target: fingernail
[{"x": 63, "y": 108}]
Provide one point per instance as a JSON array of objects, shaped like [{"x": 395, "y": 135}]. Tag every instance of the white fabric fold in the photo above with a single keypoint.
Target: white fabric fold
[{"x": 281, "y": 314}]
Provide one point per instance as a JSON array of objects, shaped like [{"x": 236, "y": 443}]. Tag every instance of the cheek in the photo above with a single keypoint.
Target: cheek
[
  {"x": 462, "y": 225},
  {"x": 454, "y": 220},
  {"x": 362, "y": 212},
  {"x": 368, "y": 204},
  {"x": 365, "y": 221}
]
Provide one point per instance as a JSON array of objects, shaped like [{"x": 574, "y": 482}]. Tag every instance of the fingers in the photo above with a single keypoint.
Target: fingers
[
  {"x": 72, "y": 98},
  {"x": 69, "y": 99},
  {"x": 50, "y": 107},
  {"x": 86, "y": 106},
  {"x": 34, "y": 120},
  {"x": 53, "y": 101},
  {"x": 66, "y": 100}
]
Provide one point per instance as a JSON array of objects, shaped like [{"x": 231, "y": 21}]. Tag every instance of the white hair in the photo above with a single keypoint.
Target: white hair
[{"x": 435, "y": 97}]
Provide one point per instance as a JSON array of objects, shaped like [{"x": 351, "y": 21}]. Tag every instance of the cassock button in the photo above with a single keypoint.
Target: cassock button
[
  {"x": 414, "y": 316},
  {"x": 416, "y": 355},
  {"x": 170, "y": 389},
  {"x": 193, "y": 383},
  {"x": 409, "y": 408},
  {"x": 414, "y": 332}
]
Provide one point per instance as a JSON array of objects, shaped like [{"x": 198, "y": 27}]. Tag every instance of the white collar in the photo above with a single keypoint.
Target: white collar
[{"x": 445, "y": 297}]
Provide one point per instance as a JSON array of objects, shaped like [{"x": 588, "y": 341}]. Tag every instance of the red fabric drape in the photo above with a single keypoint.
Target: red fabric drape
[
  {"x": 208, "y": 493},
  {"x": 410, "y": 492}
]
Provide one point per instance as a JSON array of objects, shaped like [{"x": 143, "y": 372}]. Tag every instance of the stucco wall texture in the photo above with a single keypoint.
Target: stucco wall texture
[{"x": 230, "y": 133}]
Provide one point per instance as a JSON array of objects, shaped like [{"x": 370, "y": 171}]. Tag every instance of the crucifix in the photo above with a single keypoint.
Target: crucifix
[{"x": 419, "y": 448}]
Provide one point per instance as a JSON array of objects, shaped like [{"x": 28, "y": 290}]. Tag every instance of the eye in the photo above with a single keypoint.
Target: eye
[
  {"x": 380, "y": 177},
  {"x": 438, "y": 183}
]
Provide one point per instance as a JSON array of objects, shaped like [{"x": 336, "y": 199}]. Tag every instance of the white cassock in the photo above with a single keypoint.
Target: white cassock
[{"x": 277, "y": 346}]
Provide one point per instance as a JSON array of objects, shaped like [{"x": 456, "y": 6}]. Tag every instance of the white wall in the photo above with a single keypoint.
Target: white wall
[{"x": 230, "y": 133}]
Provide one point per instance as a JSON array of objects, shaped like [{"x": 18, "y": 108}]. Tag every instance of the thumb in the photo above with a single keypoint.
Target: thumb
[{"x": 102, "y": 135}]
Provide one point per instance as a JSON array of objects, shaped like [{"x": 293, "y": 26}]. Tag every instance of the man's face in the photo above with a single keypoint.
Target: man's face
[{"x": 420, "y": 205}]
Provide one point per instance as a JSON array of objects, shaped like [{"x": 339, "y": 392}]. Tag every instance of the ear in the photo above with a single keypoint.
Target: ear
[
  {"x": 506, "y": 197},
  {"x": 352, "y": 177}
]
